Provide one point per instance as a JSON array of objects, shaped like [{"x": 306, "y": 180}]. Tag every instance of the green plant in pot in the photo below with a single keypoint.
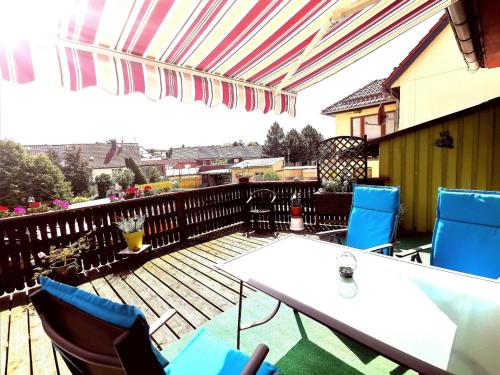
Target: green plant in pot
[
  {"x": 296, "y": 205},
  {"x": 63, "y": 262},
  {"x": 133, "y": 231}
]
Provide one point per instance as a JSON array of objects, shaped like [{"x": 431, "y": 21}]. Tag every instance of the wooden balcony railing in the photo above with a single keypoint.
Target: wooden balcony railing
[{"x": 170, "y": 218}]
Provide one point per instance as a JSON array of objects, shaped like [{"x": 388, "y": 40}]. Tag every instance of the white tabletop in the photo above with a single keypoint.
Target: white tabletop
[{"x": 446, "y": 319}]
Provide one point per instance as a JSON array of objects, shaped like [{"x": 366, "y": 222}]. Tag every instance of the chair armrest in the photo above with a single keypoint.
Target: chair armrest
[
  {"x": 333, "y": 231},
  {"x": 255, "y": 360},
  {"x": 405, "y": 253},
  {"x": 161, "y": 321},
  {"x": 379, "y": 248}
]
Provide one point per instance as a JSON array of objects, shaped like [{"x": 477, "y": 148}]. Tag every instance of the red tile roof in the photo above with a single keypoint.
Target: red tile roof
[{"x": 369, "y": 95}]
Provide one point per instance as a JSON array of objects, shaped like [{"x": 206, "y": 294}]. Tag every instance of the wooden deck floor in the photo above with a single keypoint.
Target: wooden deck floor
[{"x": 184, "y": 280}]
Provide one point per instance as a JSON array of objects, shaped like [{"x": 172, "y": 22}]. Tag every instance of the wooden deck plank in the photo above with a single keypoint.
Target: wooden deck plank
[
  {"x": 213, "y": 285},
  {"x": 189, "y": 313},
  {"x": 42, "y": 356},
  {"x": 193, "y": 284},
  {"x": 19, "y": 345},
  {"x": 4, "y": 332},
  {"x": 223, "y": 280},
  {"x": 176, "y": 324},
  {"x": 163, "y": 336},
  {"x": 205, "y": 307}
]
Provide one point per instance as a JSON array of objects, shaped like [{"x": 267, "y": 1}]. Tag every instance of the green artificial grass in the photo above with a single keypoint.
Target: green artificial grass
[{"x": 298, "y": 345}]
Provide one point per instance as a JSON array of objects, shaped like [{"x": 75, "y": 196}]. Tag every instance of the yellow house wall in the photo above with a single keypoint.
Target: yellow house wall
[
  {"x": 437, "y": 83},
  {"x": 412, "y": 162},
  {"x": 343, "y": 120},
  {"x": 301, "y": 174},
  {"x": 235, "y": 172}
]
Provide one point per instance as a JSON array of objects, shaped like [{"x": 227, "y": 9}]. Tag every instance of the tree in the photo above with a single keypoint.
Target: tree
[
  {"x": 139, "y": 178},
  {"x": 124, "y": 178},
  {"x": 76, "y": 170},
  {"x": 253, "y": 143},
  {"x": 295, "y": 146},
  {"x": 103, "y": 182},
  {"x": 312, "y": 138},
  {"x": 153, "y": 174},
  {"x": 54, "y": 157},
  {"x": 13, "y": 173},
  {"x": 46, "y": 180},
  {"x": 23, "y": 176},
  {"x": 274, "y": 146}
]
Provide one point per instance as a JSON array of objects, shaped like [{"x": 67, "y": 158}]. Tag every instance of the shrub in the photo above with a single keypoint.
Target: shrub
[
  {"x": 153, "y": 174},
  {"x": 79, "y": 199},
  {"x": 271, "y": 175},
  {"x": 103, "y": 182},
  {"x": 76, "y": 170},
  {"x": 124, "y": 178}
]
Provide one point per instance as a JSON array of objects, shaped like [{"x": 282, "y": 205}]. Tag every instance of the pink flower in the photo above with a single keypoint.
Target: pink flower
[{"x": 19, "y": 211}]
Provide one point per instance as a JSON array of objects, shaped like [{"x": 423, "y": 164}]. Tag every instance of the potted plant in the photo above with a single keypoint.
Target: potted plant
[
  {"x": 133, "y": 231},
  {"x": 62, "y": 263},
  {"x": 296, "y": 205},
  {"x": 334, "y": 200},
  {"x": 244, "y": 177}
]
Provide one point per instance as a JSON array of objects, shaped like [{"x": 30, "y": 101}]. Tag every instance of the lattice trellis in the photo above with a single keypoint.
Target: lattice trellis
[{"x": 342, "y": 157}]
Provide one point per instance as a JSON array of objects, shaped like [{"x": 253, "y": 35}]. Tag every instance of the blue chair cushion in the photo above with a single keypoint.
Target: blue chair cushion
[
  {"x": 376, "y": 198},
  {"x": 369, "y": 228},
  {"x": 373, "y": 216},
  {"x": 118, "y": 314},
  {"x": 205, "y": 354},
  {"x": 467, "y": 232}
]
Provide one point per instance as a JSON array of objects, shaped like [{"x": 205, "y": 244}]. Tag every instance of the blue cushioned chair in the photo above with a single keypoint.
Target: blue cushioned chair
[
  {"x": 97, "y": 336},
  {"x": 373, "y": 219},
  {"x": 466, "y": 235}
]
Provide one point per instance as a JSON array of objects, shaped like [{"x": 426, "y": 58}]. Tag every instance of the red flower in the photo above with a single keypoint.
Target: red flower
[
  {"x": 3, "y": 208},
  {"x": 131, "y": 190},
  {"x": 147, "y": 187},
  {"x": 34, "y": 204}
]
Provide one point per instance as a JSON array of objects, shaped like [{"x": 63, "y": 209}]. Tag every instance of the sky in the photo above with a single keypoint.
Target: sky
[{"x": 38, "y": 113}]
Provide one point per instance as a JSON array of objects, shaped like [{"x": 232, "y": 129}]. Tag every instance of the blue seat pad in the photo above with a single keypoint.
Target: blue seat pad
[
  {"x": 121, "y": 315},
  {"x": 206, "y": 354}
]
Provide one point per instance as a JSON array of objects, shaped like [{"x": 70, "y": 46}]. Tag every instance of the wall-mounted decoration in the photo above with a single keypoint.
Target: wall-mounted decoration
[{"x": 445, "y": 140}]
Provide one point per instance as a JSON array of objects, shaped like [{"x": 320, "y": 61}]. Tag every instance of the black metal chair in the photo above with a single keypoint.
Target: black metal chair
[
  {"x": 112, "y": 338},
  {"x": 260, "y": 206}
]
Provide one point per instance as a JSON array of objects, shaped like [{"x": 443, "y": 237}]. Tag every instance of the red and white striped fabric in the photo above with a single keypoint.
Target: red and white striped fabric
[{"x": 231, "y": 52}]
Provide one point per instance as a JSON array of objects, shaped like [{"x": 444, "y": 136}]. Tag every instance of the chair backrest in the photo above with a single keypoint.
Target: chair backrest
[
  {"x": 95, "y": 335},
  {"x": 466, "y": 234},
  {"x": 374, "y": 216},
  {"x": 262, "y": 199}
]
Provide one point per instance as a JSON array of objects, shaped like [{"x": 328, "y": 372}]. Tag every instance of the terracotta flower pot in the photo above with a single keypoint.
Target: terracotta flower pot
[
  {"x": 296, "y": 211},
  {"x": 244, "y": 179},
  {"x": 61, "y": 271},
  {"x": 134, "y": 240}
]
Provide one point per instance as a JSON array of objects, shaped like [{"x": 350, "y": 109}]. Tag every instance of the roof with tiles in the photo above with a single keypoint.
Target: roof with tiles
[
  {"x": 98, "y": 155},
  {"x": 369, "y": 95},
  {"x": 217, "y": 152}
]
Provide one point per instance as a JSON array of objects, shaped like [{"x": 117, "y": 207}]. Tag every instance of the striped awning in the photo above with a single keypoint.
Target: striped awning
[{"x": 251, "y": 54}]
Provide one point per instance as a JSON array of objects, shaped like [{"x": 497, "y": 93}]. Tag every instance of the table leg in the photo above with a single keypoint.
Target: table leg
[{"x": 240, "y": 307}]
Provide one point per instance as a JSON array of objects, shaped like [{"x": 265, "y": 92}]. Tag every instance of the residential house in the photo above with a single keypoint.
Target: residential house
[
  {"x": 207, "y": 155},
  {"x": 434, "y": 80},
  {"x": 257, "y": 168},
  {"x": 106, "y": 157},
  {"x": 369, "y": 112}
]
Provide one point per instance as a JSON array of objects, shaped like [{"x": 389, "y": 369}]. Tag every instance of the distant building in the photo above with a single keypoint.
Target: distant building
[
  {"x": 208, "y": 155},
  {"x": 102, "y": 157},
  {"x": 257, "y": 168}
]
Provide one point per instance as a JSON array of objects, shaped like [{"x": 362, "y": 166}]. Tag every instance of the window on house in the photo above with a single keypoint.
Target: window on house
[
  {"x": 368, "y": 125},
  {"x": 259, "y": 176}
]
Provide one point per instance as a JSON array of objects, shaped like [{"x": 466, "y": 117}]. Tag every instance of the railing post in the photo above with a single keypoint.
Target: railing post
[{"x": 181, "y": 216}]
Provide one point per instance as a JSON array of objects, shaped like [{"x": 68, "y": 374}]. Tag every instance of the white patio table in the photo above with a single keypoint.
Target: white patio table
[{"x": 431, "y": 320}]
